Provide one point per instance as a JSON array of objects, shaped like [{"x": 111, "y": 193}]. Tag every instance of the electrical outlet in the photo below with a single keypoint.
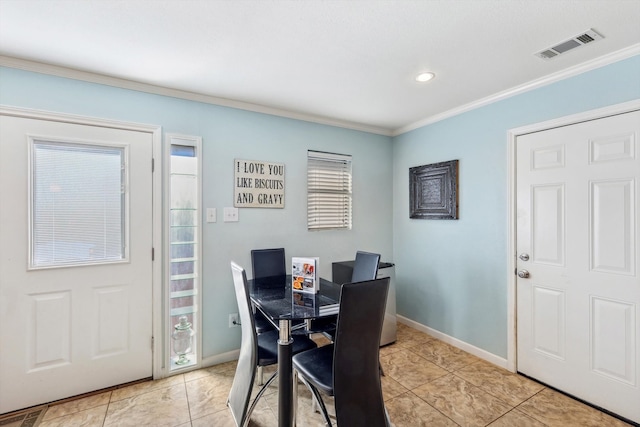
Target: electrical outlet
[{"x": 234, "y": 320}]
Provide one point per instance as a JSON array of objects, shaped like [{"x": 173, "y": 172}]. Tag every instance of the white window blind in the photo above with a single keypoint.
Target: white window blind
[
  {"x": 77, "y": 205},
  {"x": 328, "y": 191}
]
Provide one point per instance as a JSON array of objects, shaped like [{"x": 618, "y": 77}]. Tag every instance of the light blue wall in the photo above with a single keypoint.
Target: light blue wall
[
  {"x": 227, "y": 134},
  {"x": 452, "y": 275}
]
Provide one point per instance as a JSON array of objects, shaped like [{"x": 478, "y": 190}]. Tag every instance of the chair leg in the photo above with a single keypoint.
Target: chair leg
[
  {"x": 260, "y": 376},
  {"x": 327, "y": 335},
  {"x": 245, "y": 422},
  {"x": 387, "y": 419},
  {"x": 299, "y": 326},
  {"x": 295, "y": 398},
  {"x": 314, "y": 402},
  {"x": 317, "y": 398}
]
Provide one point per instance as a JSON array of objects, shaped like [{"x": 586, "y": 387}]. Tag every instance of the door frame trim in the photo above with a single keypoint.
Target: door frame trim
[
  {"x": 512, "y": 135},
  {"x": 157, "y": 362}
]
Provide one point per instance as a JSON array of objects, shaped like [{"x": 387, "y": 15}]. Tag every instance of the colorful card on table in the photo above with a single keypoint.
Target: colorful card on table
[{"x": 304, "y": 273}]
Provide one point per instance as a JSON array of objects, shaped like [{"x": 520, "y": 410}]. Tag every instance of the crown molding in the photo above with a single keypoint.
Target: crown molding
[
  {"x": 616, "y": 56},
  {"x": 71, "y": 73},
  {"x": 75, "y": 74}
]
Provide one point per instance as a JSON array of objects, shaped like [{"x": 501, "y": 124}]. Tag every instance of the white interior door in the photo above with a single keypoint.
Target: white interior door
[
  {"x": 578, "y": 312},
  {"x": 75, "y": 259}
]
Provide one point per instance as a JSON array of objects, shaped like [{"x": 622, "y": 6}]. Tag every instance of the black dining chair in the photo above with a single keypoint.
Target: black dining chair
[
  {"x": 255, "y": 350},
  {"x": 267, "y": 264},
  {"x": 365, "y": 267},
  {"x": 348, "y": 369}
]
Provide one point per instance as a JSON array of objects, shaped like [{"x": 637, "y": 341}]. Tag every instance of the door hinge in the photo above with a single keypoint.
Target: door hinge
[
  {"x": 153, "y": 164},
  {"x": 152, "y": 342},
  {"x": 153, "y": 254}
]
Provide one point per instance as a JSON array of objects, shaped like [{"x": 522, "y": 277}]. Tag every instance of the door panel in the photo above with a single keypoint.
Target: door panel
[
  {"x": 549, "y": 321},
  {"x": 72, "y": 329},
  {"x": 111, "y": 317},
  {"x": 49, "y": 330},
  {"x": 577, "y": 211},
  {"x": 548, "y": 224},
  {"x": 611, "y": 228},
  {"x": 612, "y": 354}
]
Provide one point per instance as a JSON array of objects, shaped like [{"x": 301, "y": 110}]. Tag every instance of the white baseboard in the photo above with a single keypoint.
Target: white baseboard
[
  {"x": 478, "y": 352},
  {"x": 220, "y": 358}
]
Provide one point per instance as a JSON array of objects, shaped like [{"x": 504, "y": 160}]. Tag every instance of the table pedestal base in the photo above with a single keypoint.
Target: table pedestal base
[{"x": 285, "y": 382}]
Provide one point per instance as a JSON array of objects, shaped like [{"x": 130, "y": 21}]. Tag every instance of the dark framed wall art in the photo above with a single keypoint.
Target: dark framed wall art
[{"x": 433, "y": 191}]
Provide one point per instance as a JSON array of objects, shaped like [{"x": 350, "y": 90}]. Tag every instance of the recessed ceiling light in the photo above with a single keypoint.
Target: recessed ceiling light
[{"x": 424, "y": 77}]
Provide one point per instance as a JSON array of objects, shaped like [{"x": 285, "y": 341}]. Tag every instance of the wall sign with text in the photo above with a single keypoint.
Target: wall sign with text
[{"x": 258, "y": 184}]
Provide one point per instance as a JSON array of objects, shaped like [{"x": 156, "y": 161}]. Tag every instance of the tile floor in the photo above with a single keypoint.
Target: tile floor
[{"x": 426, "y": 383}]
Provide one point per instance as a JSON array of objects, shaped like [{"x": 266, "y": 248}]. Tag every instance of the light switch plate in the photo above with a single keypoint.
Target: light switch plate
[
  {"x": 230, "y": 214},
  {"x": 211, "y": 215}
]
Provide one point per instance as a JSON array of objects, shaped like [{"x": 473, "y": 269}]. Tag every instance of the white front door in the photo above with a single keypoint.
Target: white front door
[
  {"x": 578, "y": 311},
  {"x": 75, "y": 259}
]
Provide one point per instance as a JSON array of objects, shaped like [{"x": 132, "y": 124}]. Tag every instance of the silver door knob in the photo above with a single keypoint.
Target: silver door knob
[
  {"x": 523, "y": 274},
  {"x": 524, "y": 257}
]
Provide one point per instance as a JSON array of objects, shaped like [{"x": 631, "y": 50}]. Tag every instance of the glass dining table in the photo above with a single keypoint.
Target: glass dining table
[{"x": 274, "y": 297}]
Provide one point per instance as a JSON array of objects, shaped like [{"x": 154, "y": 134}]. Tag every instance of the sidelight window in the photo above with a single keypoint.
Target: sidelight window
[{"x": 184, "y": 242}]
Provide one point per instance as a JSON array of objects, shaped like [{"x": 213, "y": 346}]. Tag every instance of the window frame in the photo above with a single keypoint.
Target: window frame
[
  {"x": 325, "y": 162},
  {"x": 33, "y": 140},
  {"x": 171, "y": 368}
]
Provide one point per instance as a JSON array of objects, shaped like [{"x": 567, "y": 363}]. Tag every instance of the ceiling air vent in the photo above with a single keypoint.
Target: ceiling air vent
[{"x": 567, "y": 45}]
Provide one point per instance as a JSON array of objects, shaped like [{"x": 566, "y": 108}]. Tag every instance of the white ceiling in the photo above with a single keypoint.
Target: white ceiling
[{"x": 348, "y": 61}]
